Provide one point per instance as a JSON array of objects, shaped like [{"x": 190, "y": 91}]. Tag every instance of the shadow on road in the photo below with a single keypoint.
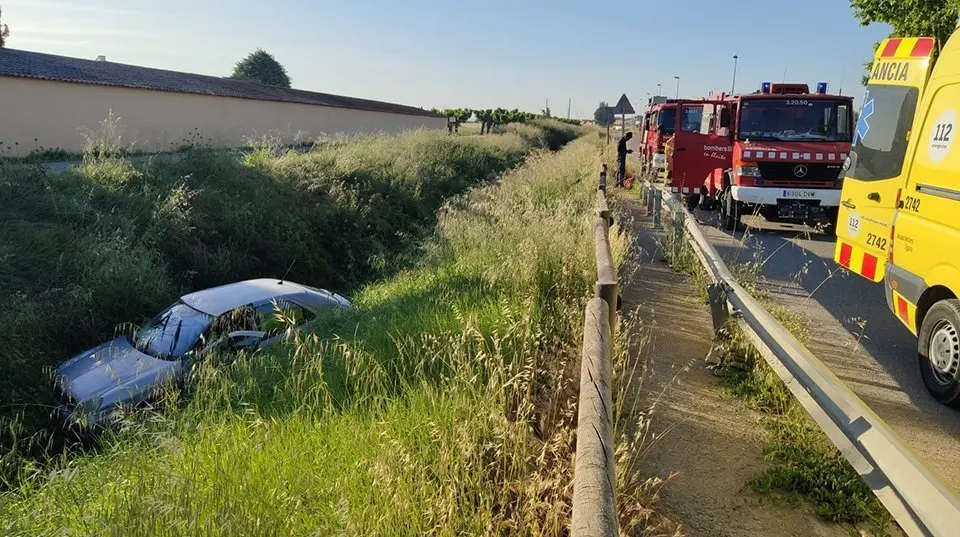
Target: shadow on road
[{"x": 853, "y": 330}]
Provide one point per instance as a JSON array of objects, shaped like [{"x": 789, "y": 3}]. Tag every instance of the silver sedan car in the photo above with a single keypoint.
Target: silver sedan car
[{"x": 128, "y": 370}]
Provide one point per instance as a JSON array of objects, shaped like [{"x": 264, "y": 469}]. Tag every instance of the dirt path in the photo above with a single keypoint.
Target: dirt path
[{"x": 713, "y": 444}]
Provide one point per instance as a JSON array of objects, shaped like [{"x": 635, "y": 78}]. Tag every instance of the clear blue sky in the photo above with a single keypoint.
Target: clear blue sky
[{"x": 450, "y": 53}]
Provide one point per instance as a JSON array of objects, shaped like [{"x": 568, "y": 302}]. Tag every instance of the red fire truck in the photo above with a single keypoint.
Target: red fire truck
[
  {"x": 782, "y": 150},
  {"x": 658, "y": 126}
]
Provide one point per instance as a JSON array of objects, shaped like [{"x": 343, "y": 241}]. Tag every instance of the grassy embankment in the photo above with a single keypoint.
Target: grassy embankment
[
  {"x": 801, "y": 459},
  {"x": 113, "y": 241},
  {"x": 443, "y": 404}
]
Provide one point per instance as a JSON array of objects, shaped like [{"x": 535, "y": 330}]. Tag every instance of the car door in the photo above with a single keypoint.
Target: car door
[
  {"x": 875, "y": 170},
  {"x": 926, "y": 228}
]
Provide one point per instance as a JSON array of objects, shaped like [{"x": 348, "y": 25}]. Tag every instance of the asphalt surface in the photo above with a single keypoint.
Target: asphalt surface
[{"x": 853, "y": 331}]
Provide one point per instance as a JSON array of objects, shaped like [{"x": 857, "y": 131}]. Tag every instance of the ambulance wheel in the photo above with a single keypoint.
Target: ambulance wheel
[
  {"x": 693, "y": 200},
  {"x": 730, "y": 212},
  {"x": 938, "y": 353}
]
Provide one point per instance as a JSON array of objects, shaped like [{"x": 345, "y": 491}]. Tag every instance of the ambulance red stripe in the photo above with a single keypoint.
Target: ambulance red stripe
[
  {"x": 869, "y": 267},
  {"x": 923, "y": 48},
  {"x": 846, "y": 251},
  {"x": 891, "y": 48},
  {"x": 902, "y": 309}
]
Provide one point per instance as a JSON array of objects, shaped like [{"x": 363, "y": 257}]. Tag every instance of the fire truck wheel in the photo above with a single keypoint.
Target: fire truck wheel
[
  {"x": 693, "y": 200},
  {"x": 938, "y": 354},
  {"x": 729, "y": 212}
]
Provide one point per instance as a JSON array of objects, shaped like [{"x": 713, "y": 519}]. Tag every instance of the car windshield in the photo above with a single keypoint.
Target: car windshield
[
  {"x": 668, "y": 120},
  {"x": 795, "y": 120},
  {"x": 172, "y": 333}
]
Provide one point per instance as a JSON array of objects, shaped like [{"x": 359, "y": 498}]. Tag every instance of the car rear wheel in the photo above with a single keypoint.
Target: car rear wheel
[{"x": 938, "y": 348}]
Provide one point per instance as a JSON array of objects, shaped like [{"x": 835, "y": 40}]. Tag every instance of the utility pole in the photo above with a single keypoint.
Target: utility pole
[
  {"x": 678, "y": 86},
  {"x": 659, "y": 90},
  {"x": 733, "y": 87},
  {"x": 569, "y": 102},
  {"x": 784, "y": 79}
]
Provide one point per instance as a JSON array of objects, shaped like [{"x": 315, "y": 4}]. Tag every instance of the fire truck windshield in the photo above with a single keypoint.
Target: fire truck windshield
[
  {"x": 667, "y": 120},
  {"x": 795, "y": 120}
]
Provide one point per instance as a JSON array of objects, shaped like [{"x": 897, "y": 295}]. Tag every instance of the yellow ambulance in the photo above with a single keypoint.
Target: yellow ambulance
[{"x": 899, "y": 218}]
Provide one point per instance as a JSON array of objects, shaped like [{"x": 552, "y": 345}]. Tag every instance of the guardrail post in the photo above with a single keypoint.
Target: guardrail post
[
  {"x": 594, "y": 478},
  {"x": 603, "y": 178},
  {"x": 678, "y": 220},
  {"x": 649, "y": 198},
  {"x": 657, "y": 202},
  {"x": 719, "y": 311}
]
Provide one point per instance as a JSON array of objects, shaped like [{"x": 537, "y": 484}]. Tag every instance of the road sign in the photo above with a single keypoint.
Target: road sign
[{"x": 623, "y": 106}]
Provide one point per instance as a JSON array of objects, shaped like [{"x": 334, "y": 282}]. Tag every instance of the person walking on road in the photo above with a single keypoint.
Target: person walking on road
[{"x": 622, "y": 152}]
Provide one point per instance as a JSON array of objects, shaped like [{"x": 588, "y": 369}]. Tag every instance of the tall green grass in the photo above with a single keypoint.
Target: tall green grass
[
  {"x": 443, "y": 404},
  {"x": 115, "y": 240}
]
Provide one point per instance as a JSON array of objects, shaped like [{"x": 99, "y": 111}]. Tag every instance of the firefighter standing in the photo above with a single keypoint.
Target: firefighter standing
[{"x": 622, "y": 153}]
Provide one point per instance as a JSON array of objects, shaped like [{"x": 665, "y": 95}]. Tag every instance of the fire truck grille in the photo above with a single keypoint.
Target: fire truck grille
[{"x": 799, "y": 172}]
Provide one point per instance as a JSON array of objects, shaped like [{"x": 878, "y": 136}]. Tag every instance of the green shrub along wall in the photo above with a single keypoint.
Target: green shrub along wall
[{"x": 111, "y": 242}]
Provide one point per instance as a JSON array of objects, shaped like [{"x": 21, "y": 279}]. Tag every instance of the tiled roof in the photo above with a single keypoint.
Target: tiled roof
[{"x": 26, "y": 64}]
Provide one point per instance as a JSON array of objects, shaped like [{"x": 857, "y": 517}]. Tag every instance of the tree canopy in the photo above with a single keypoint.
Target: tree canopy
[
  {"x": 4, "y": 30},
  {"x": 604, "y": 115},
  {"x": 910, "y": 18},
  {"x": 263, "y": 68}
]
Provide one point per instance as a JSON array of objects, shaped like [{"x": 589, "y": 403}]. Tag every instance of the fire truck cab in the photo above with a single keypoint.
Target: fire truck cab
[
  {"x": 658, "y": 126},
  {"x": 899, "y": 211},
  {"x": 786, "y": 150}
]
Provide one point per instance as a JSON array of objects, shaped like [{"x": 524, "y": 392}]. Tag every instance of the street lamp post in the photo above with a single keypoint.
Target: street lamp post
[
  {"x": 733, "y": 87},
  {"x": 678, "y": 86},
  {"x": 659, "y": 90}
]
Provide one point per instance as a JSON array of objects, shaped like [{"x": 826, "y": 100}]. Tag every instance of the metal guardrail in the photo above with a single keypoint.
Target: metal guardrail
[
  {"x": 594, "y": 476},
  {"x": 918, "y": 500}
]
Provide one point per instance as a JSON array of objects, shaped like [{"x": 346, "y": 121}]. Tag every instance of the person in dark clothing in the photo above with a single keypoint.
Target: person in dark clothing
[{"x": 622, "y": 152}]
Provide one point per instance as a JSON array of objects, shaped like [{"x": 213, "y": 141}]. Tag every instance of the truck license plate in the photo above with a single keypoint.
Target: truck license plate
[{"x": 798, "y": 194}]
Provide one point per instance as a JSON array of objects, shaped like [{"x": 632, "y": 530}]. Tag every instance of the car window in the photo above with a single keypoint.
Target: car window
[
  {"x": 275, "y": 316},
  {"x": 239, "y": 319}
]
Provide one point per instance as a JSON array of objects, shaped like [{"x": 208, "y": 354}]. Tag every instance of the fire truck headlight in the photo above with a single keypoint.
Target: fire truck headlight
[{"x": 748, "y": 171}]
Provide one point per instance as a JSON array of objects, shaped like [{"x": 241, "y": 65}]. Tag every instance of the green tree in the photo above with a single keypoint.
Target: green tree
[
  {"x": 260, "y": 66},
  {"x": 4, "y": 31},
  {"x": 909, "y": 18},
  {"x": 485, "y": 117},
  {"x": 463, "y": 115},
  {"x": 604, "y": 115}
]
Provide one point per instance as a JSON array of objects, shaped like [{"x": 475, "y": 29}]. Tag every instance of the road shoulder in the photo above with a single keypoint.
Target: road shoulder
[{"x": 707, "y": 441}]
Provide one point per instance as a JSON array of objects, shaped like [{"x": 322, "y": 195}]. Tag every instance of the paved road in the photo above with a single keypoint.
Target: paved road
[{"x": 853, "y": 332}]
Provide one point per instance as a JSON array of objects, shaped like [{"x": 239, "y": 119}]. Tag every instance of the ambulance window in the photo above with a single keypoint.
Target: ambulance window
[
  {"x": 691, "y": 118},
  {"x": 881, "y": 132}
]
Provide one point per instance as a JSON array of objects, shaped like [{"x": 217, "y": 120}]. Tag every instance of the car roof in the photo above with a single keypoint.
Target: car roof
[{"x": 219, "y": 300}]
